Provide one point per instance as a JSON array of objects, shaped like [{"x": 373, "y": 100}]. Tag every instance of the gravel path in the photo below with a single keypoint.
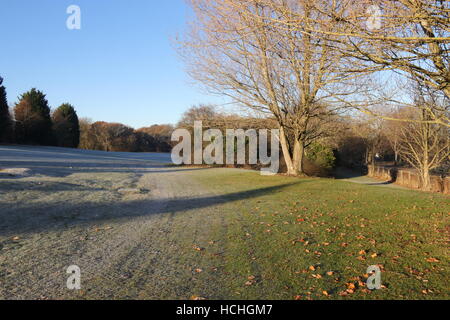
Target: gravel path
[
  {"x": 128, "y": 221},
  {"x": 354, "y": 177}
]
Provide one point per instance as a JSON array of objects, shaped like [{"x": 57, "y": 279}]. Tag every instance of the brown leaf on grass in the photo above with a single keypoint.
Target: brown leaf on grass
[
  {"x": 350, "y": 286},
  {"x": 432, "y": 260},
  {"x": 361, "y": 258},
  {"x": 312, "y": 268},
  {"x": 330, "y": 273},
  {"x": 297, "y": 298},
  {"x": 251, "y": 278},
  {"x": 198, "y": 248},
  {"x": 16, "y": 238},
  {"x": 198, "y": 270},
  {"x": 249, "y": 283},
  {"x": 197, "y": 298},
  {"x": 325, "y": 293}
]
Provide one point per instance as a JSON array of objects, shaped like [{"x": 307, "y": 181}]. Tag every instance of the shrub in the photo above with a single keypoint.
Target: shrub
[{"x": 321, "y": 156}]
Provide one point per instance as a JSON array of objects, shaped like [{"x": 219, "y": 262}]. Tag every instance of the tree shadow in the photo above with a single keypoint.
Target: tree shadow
[
  {"x": 43, "y": 186},
  {"x": 42, "y": 217},
  {"x": 62, "y": 169}
]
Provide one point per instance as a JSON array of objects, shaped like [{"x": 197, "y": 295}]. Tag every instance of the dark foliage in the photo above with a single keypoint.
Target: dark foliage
[
  {"x": 33, "y": 122},
  {"x": 6, "y": 124},
  {"x": 66, "y": 128}
]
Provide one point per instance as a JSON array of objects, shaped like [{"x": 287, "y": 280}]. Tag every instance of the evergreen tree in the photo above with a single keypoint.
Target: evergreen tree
[
  {"x": 33, "y": 122},
  {"x": 66, "y": 127},
  {"x": 6, "y": 124}
]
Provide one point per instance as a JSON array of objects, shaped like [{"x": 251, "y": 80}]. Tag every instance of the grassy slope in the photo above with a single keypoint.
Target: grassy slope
[{"x": 271, "y": 240}]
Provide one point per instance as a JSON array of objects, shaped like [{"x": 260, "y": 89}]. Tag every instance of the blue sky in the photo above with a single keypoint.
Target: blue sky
[{"x": 120, "y": 67}]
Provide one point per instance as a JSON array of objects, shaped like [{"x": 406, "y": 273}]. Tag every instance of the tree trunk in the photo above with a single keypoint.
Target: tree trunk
[
  {"x": 294, "y": 162},
  {"x": 426, "y": 179},
  {"x": 299, "y": 152},
  {"x": 286, "y": 152}
]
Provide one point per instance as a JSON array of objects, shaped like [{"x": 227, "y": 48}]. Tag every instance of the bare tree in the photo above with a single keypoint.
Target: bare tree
[
  {"x": 409, "y": 37},
  {"x": 85, "y": 138},
  {"x": 425, "y": 146},
  {"x": 236, "y": 48}
]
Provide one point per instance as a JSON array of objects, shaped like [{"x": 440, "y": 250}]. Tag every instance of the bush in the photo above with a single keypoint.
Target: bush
[{"x": 322, "y": 156}]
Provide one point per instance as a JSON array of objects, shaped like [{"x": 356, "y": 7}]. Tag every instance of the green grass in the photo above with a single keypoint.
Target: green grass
[{"x": 269, "y": 241}]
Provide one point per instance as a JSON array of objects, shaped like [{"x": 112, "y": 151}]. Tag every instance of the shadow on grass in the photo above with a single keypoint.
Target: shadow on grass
[
  {"x": 62, "y": 168},
  {"x": 41, "y": 217}
]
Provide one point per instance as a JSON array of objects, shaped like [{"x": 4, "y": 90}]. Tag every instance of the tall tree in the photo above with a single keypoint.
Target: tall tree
[
  {"x": 66, "y": 127},
  {"x": 408, "y": 37},
  {"x": 241, "y": 50},
  {"x": 6, "y": 124},
  {"x": 33, "y": 122}
]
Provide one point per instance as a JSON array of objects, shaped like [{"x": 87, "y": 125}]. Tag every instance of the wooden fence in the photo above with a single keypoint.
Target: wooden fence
[{"x": 408, "y": 178}]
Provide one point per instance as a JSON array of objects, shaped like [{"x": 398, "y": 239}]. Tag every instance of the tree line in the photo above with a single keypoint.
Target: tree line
[{"x": 31, "y": 121}]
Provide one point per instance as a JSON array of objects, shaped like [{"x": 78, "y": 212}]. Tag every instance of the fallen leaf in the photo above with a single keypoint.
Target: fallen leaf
[{"x": 350, "y": 286}]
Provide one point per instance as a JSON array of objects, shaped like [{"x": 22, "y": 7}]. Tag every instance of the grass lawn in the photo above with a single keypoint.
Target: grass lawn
[{"x": 286, "y": 238}]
